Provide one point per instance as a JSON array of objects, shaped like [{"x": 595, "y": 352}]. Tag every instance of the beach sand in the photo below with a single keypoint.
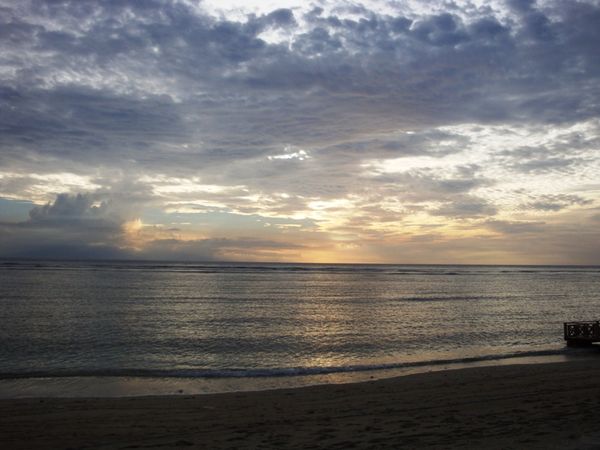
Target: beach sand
[{"x": 553, "y": 405}]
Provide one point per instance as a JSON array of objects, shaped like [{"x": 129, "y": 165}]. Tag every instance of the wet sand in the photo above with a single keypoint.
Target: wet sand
[{"x": 553, "y": 405}]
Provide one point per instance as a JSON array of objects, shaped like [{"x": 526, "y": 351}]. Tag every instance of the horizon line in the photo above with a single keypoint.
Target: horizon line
[{"x": 162, "y": 261}]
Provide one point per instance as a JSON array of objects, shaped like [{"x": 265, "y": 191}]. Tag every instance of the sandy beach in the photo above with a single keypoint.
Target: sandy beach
[{"x": 522, "y": 406}]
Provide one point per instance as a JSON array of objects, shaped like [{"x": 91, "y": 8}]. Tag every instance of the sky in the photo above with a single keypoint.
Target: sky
[{"x": 396, "y": 131}]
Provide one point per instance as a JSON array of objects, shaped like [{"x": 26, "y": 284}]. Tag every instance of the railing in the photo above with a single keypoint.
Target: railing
[{"x": 582, "y": 332}]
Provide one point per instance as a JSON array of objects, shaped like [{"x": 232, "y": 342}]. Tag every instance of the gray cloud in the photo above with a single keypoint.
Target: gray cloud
[
  {"x": 91, "y": 79},
  {"x": 563, "y": 154},
  {"x": 427, "y": 185},
  {"x": 510, "y": 228},
  {"x": 119, "y": 92},
  {"x": 556, "y": 202},
  {"x": 67, "y": 208},
  {"x": 557, "y": 245},
  {"x": 215, "y": 249},
  {"x": 71, "y": 227},
  {"x": 93, "y": 225},
  {"x": 435, "y": 143},
  {"x": 557, "y": 164},
  {"x": 466, "y": 207}
]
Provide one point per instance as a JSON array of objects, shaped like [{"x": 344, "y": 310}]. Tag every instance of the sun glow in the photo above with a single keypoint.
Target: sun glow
[{"x": 133, "y": 226}]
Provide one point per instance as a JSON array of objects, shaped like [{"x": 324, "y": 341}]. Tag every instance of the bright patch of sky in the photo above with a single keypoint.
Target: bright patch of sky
[{"x": 379, "y": 131}]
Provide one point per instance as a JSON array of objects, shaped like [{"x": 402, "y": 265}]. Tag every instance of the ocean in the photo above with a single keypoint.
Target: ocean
[{"x": 136, "y": 328}]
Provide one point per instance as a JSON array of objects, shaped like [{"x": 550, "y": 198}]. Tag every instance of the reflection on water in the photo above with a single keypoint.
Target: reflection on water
[{"x": 209, "y": 320}]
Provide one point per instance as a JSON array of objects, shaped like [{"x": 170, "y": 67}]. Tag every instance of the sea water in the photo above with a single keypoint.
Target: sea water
[{"x": 71, "y": 325}]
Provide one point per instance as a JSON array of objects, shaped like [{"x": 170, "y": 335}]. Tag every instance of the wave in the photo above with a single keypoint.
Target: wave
[
  {"x": 452, "y": 298},
  {"x": 231, "y": 267},
  {"x": 273, "y": 372}
]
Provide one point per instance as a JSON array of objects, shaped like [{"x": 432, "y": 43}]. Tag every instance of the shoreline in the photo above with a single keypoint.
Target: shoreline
[
  {"x": 117, "y": 386},
  {"x": 547, "y": 405}
]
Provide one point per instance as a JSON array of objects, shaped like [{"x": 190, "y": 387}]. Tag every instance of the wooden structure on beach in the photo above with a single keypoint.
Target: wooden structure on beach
[{"x": 582, "y": 333}]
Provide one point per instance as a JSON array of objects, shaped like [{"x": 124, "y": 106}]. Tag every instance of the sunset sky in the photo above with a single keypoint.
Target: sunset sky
[{"x": 396, "y": 131}]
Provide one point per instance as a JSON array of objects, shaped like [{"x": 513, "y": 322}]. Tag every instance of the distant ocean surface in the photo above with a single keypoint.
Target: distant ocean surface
[{"x": 64, "y": 320}]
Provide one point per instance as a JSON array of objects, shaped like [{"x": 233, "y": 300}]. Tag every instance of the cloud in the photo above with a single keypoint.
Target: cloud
[
  {"x": 67, "y": 208},
  {"x": 244, "y": 249},
  {"x": 440, "y": 30},
  {"x": 546, "y": 165},
  {"x": 71, "y": 227},
  {"x": 510, "y": 228},
  {"x": 466, "y": 207},
  {"x": 557, "y": 202},
  {"x": 94, "y": 226},
  {"x": 426, "y": 185},
  {"x": 399, "y": 115},
  {"x": 133, "y": 78}
]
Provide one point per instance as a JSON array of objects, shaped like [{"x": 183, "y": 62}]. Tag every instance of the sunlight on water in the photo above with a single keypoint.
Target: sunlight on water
[{"x": 223, "y": 320}]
